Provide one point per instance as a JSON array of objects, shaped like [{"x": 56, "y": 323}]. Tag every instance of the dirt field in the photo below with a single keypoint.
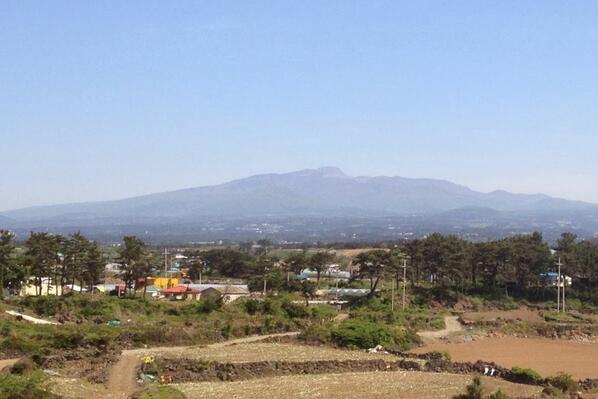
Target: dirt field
[
  {"x": 255, "y": 352},
  {"x": 546, "y": 356},
  {"x": 350, "y": 253},
  {"x": 518, "y": 314},
  {"x": 412, "y": 385}
]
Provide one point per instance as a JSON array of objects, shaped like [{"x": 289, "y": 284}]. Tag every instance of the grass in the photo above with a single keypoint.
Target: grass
[
  {"x": 31, "y": 385},
  {"x": 152, "y": 323}
]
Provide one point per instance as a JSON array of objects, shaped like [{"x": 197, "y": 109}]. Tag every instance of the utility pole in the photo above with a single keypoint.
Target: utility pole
[
  {"x": 392, "y": 296},
  {"x": 404, "y": 281},
  {"x": 265, "y": 286},
  {"x": 266, "y": 271},
  {"x": 564, "y": 284},
  {"x": 558, "y": 288},
  {"x": 165, "y": 262}
]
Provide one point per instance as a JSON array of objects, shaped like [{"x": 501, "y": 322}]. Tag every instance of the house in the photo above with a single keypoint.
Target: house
[
  {"x": 163, "y": 282},
  {"x": 112, "y": 267},
  {"x": 344, "y": 293},
  {"x": 228, "y": 293},
  {"x": 331, "y": 272},
  {"x": 47, "y": 288},
  {"x": 552, "y": 278},
  {"x": 180, "y": 293}
]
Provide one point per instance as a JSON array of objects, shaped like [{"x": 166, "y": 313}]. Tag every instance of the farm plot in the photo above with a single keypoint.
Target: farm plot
[
  {"x": 413, "y": 385},
  {"x": 256, "y": 352},
  {"x": 546, "y": 356}
]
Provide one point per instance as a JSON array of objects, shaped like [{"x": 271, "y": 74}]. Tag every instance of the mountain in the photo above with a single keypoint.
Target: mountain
[
  {"x": 323, "y": 192},
  {"x": 313, "y": 193}
]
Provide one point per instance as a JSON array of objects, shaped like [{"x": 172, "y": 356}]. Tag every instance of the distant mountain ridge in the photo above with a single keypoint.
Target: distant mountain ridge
[{"x": 325, "y": 192}]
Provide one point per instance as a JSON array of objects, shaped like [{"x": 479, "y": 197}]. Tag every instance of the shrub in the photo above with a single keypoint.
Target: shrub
[
  {"x": 252, "y": 306},
  {"x": 475, "y": 390},
  {"x": 525, "y": 376},
  {"x": 14, "y": 386},
  {"x": 317, "y": 334},
  {"x": 159, "y": 392},
  {"x": 498, "y": 395},
  {"x": 564, "y": 382},
  {"x": 22, "y": 367},
  {"x": 362, "y": 334},
  {"x": 294, "y": 311}
]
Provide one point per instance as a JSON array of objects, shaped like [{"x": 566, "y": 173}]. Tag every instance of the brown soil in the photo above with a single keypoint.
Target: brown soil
[
  {"x": 546, "y": 356},
  {"x": 7, "y": 363},
  {"x": 350, "y": 253},
  {"x": 400, "y": 384},
  {"x": 186, "y": 370}
]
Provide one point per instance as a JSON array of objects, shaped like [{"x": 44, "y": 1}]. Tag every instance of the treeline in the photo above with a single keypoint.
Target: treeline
[
  {"x": 520, "y": 262},
  {"x": 516, "y": 264},
  {"x": 66, "y": 261},
  {"x": 55, "y": 262}
]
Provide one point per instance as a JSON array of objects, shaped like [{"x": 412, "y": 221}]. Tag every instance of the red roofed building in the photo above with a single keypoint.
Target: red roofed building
[{"x": 180, "y": 293}]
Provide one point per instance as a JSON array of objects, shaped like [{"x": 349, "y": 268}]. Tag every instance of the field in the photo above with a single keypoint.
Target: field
[
  {"x": 255, "y": 352},
  {"x": 546, "y": 356},
  {"x": 413, "y": 385}
]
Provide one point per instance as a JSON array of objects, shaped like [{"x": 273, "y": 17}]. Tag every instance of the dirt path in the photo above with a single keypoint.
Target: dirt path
[
  {"x": 122, "y": 381},
  {"x": 452, "y": 325},
  {"x": 7, "y": 363},
  {"x": 31, "y": 319}
]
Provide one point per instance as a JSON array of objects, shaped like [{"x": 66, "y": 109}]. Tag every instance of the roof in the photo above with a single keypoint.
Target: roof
[
  {"x": 181, "y": 289},
  {"x": 202, "y": 287},
  {"x": 230, "y": 290}
]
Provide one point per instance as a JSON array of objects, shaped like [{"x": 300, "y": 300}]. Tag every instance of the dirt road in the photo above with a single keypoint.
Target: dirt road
[
  {"x": 452, "y": 325},
  {"x": 122, "y": 379}
]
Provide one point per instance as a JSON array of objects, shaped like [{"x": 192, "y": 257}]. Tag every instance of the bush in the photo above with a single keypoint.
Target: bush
[
  {"x": 564, "y": 382},
  {"x": 159, "y": 392},
  {"x": 498, "y": 395},
  {"x": 22, "y": 367},
  {"x": 525, "y": 376},
  {"x": 316, "y": 334},
  {"x": 295, "y": 311},
  {"x": 253, "y": 306},
  {"x": 362, "y": 334},
  {"x": 475, "y": 390},
  {"x": 14, "y": 386}
]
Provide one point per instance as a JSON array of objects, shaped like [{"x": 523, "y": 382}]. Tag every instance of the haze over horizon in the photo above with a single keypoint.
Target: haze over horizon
[
  {"x": 111, "y": 100},
  {"x": 326, "y": 169}
]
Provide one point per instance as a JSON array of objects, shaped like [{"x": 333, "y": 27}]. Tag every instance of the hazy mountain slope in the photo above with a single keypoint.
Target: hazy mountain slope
[{"x": 325, "y": 191}]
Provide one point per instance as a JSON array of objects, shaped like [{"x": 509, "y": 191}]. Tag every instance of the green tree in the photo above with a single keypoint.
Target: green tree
[
  {"x": 133, "y": 261},
  {"x": 374, "y": 265},
  {"x": 319, "y": 261},
  {"x": 6, "y": 249},
  {"x": 42, "y": 257}
]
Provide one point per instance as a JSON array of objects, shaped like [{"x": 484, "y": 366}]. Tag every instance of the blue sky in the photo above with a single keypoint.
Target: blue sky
[{"x": 108, "y": 99}]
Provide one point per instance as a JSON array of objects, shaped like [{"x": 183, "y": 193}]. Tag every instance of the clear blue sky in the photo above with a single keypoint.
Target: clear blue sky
[{"x": 108, "y": 99}]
